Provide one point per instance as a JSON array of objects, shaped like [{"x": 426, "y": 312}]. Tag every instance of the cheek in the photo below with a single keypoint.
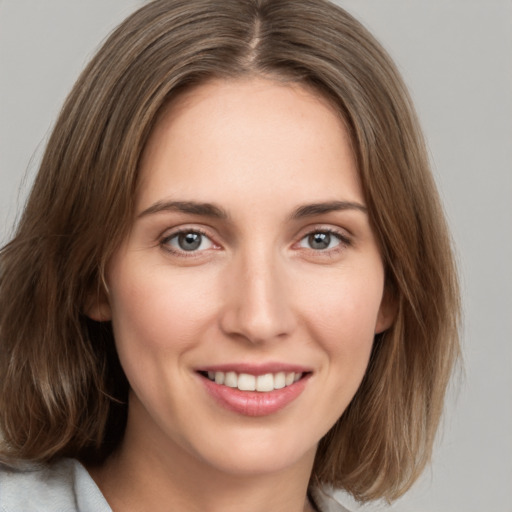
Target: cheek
[
  {"x": 342, "y": 321},
  {"x": 161, "y": 311},
  {"x": 346, "y": 301}
]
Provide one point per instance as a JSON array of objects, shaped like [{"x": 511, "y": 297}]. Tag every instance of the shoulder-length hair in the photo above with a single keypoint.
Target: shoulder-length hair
[{"x": 63, "y": 392}]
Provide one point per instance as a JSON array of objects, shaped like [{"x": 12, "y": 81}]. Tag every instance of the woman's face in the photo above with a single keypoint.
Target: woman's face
[{"x": 246, "y": 298}]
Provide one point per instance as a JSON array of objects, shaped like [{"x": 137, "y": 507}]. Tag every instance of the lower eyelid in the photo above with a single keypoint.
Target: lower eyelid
[
  {"x": 343, "y": 239},
  {"x": 165, "y": 242}
]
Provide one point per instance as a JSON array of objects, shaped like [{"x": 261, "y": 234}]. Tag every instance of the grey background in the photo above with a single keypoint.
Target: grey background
[{"x": 456, "y": 57}]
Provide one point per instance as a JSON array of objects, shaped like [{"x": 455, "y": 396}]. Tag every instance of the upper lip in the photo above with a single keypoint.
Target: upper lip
[{"x": 256, "y": 368}]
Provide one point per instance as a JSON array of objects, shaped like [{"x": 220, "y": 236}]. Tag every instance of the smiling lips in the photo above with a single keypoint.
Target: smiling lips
[
  {"x": 247, "y": 382},
  {"x": 253, "y": 393}
]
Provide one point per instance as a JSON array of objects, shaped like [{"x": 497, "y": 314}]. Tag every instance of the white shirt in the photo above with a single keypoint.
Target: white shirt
[{"x": 66, "y": 486}]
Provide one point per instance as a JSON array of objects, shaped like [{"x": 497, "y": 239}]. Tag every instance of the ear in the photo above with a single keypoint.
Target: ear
[
  {"x": 387, "y": 312},
  {"x": 97, "y": 306}
]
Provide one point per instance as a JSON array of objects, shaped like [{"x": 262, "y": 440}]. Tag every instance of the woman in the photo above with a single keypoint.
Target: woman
[{"x": 232, "y": 285}]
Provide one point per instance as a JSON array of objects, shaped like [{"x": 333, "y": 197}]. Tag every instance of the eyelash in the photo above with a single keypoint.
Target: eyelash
[
  {"x": 164, "y": 243},
  {"x": 344, "y": 241}
]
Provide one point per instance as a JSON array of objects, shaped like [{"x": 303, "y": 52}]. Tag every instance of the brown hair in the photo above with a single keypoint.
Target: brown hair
[{"x": 63, "y": 391}]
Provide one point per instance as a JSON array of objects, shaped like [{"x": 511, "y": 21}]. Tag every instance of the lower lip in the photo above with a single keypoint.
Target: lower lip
[{"x": 255, "y": 403}]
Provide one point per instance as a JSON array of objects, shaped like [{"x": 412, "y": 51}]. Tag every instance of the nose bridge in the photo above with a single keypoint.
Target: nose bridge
[{"x": 258, "y": 303}]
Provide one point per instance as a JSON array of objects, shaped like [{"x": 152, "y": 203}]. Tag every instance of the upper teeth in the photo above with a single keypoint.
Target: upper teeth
[{"x": 248, "y": 382}]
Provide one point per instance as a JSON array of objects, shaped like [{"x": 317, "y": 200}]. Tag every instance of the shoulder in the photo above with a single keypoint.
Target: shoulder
[
  {"x": 326, "y": 501},
  {"x": 64, "y": 486}
]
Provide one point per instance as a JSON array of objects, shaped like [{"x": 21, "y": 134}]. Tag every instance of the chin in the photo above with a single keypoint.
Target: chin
[
  {"x": 252, "y": 461},
  {"x": 252, "y": 453}
]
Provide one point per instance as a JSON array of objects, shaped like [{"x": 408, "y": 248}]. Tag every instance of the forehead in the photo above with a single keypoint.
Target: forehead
[{"x": 249, "y": 134}]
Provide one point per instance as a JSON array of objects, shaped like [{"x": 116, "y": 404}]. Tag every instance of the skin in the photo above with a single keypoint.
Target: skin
[{"x": 255, "y": 291}]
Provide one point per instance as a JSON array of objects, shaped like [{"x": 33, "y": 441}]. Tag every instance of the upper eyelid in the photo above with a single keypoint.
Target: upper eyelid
[
  {"x": 171, "y": 233},
  {"x": 326, "y": 228},
  {"x": 343, "y": 239},
  {"x": 344, "y": 234},
  {"x": 163, "y": 243}
]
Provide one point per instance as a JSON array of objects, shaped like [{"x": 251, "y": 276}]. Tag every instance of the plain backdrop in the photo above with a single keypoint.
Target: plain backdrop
[{"x": 456, "y": 57}]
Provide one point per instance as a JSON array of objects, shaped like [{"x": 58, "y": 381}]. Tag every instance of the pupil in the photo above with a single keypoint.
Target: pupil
[
  {"x": 319, "y": 240},
  {"x": 189, "y": 241}
]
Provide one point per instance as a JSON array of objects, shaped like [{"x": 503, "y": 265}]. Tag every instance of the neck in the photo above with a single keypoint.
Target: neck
[{"x": 149, "y": 473}]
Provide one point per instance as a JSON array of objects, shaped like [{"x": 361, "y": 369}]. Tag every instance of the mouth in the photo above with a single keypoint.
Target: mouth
[
  {"x": 254, "y": 391},
  {"x": 248, "y": 382}
]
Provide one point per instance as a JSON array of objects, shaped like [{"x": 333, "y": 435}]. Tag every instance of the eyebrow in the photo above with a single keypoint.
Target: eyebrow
[
  {"x": 192, "y": 207},
  {"x": 310, "y": 210},
  {"x": 210, "y": 210}
]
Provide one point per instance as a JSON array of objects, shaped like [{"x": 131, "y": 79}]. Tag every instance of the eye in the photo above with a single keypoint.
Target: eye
[
  {"x": 322, "y": 240},
  {"x": 187, "y": 241}
]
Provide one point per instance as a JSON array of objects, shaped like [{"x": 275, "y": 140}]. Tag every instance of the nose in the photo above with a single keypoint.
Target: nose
[{"x": 257, "y": 300}]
